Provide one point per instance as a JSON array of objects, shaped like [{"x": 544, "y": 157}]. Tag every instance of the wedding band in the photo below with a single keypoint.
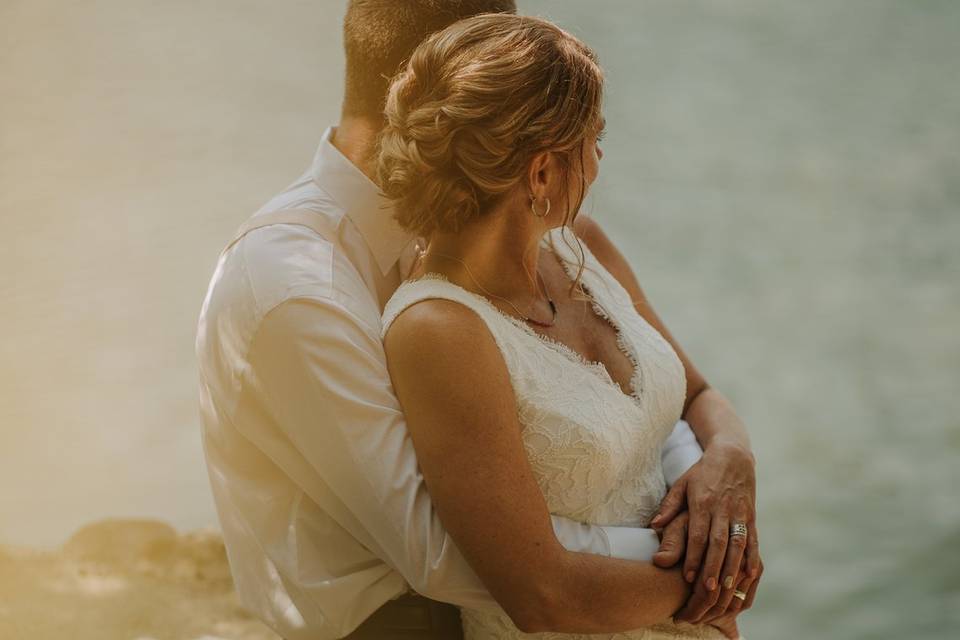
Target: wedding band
[
  {"x": 738, "y": 529},
  {"x": 739, "y": 594}
]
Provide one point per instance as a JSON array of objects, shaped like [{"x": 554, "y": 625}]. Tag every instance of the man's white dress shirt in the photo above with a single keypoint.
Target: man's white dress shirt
[{"x": 324, "y": 512}]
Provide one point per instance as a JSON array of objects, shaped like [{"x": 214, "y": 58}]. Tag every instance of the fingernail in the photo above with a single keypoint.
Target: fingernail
[
  {"x": 656, "y": 519},
  {"x": 690, "y": 576},
  {"x": 728, "y": 582},
  {"x": 711, "y": 584},
  {"x": 754, "y": 572}
]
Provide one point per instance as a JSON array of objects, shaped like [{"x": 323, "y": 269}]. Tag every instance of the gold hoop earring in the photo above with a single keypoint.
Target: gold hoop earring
[{"x": 533, "y": 207}]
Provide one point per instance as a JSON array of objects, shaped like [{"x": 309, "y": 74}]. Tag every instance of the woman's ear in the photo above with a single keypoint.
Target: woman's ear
[{"x": 539, "y": 174}]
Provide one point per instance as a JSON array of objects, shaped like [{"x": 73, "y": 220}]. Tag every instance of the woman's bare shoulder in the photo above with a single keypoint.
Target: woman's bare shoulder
[
  {"x": 433, "y": 320},
  {"x": 446, "y": 341},
  {"x": 607, "y": 254}
]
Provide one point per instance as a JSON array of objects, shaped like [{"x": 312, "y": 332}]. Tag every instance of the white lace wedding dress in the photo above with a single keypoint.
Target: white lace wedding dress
[{"x": 594, "y": 450}]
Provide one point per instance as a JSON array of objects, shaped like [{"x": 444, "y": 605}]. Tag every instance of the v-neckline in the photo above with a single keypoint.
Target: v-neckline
[
  {"x": 624, "y": 343},
  {"x": 596, "y": 367}
]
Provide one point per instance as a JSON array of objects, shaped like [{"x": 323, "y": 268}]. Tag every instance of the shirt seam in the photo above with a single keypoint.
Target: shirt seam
[{"x": 241, "y": 246}]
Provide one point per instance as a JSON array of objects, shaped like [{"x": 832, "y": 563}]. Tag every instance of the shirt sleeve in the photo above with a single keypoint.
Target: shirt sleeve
[
  {"x": 321, "y": 374},
  {"x": 680, "y": 452}
]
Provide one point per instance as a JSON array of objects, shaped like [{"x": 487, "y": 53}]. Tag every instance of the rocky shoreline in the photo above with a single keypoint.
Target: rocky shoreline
[{"x": 124, "y": 580}]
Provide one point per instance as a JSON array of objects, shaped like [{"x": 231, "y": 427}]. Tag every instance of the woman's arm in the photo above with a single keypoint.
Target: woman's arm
[
  {"x": 603, "y": 249},
  {"x": 456, "y": 393},
  {"x": 719, "y": 489}
]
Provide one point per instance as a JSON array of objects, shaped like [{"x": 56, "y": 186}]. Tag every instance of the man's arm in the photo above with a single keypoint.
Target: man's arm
[
  {"x": 726, "y": 479},
  {"x": 680, "y": 452},
  {"x": 469, "y": 442},
  {"x": 323, "y": 377},
  {"x": 719, "y": 489}
]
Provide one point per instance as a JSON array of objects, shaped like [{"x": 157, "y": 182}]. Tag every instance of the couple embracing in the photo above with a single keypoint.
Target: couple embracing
[{"x": 436, "y": 402}]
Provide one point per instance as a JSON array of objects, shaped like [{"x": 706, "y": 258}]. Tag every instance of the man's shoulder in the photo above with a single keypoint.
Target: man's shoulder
[
  {"x": 303, "y": 193},
  {"x": 285, "y": 260},
  {"x": 278, "y": 262}
]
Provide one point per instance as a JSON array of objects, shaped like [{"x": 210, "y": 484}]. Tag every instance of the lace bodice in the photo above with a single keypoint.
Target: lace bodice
[{"x": 594, "y": 450}]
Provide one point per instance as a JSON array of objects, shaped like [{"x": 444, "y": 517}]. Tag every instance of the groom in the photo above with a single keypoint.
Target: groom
[{"x": 328, "y": 524}]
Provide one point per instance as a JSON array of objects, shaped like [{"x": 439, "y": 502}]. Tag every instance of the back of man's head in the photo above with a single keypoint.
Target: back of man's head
[{"x": 379, "y": 35}]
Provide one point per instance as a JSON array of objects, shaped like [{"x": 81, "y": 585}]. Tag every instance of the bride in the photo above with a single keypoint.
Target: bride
[{"x": 530, "y": 383}]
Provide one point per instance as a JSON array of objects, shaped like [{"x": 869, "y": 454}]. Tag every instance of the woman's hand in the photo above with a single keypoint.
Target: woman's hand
[
  {"x": 718, "y": 490},
  {"x": 721, "y": 488},
  {"x": 466, "y": 431}
]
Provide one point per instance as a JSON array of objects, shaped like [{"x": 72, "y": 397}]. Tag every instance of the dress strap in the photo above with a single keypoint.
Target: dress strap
[
  {"x": 432, "y": 286},
  {"x": 601, "y": 284}
]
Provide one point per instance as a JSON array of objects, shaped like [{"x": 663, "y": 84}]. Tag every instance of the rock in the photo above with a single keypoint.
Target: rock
[
  {"x": 202, "y": 557},
  {"x": 152, "y": 548},
  {"x": 123, "y": 542}
]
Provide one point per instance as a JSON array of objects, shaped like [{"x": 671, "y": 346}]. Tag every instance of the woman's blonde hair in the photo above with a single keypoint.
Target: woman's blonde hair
[{"x": 476, "y": 102}]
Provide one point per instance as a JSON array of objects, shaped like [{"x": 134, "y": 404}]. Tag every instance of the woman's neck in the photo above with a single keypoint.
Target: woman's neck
[{"x": 500, "y": 251}]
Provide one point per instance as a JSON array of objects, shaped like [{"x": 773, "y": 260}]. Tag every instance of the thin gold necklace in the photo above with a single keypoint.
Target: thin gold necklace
[{"x": 526, "y": 318}]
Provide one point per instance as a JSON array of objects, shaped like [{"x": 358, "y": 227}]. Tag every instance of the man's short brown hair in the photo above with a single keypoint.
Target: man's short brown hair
[{"x": 380, "y": 35}]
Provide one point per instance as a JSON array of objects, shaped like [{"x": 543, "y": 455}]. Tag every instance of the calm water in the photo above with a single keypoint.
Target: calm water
[{"x": 784, "y": 176}]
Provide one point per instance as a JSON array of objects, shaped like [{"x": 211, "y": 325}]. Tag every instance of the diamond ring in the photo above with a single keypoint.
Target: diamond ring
[
  {"x": 739, "y": 594},
  {"x": 738, "y": 529}
]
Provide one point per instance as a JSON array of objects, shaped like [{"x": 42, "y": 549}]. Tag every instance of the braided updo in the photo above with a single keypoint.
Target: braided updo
[{"x": 476, "y": 102}]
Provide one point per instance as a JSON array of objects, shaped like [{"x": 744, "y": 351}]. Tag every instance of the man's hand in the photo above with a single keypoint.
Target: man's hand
[
  {"x": 727, "y": 625},
  {"x": 722, "y": 616},
  {"x": 718, "y": 490},
  {"x": 721, "y": 488},
  {"x": 673, "y": 542}
]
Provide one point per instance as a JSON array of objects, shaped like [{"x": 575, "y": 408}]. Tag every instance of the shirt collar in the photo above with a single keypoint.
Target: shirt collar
[{"x": 362, "y": 202}]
